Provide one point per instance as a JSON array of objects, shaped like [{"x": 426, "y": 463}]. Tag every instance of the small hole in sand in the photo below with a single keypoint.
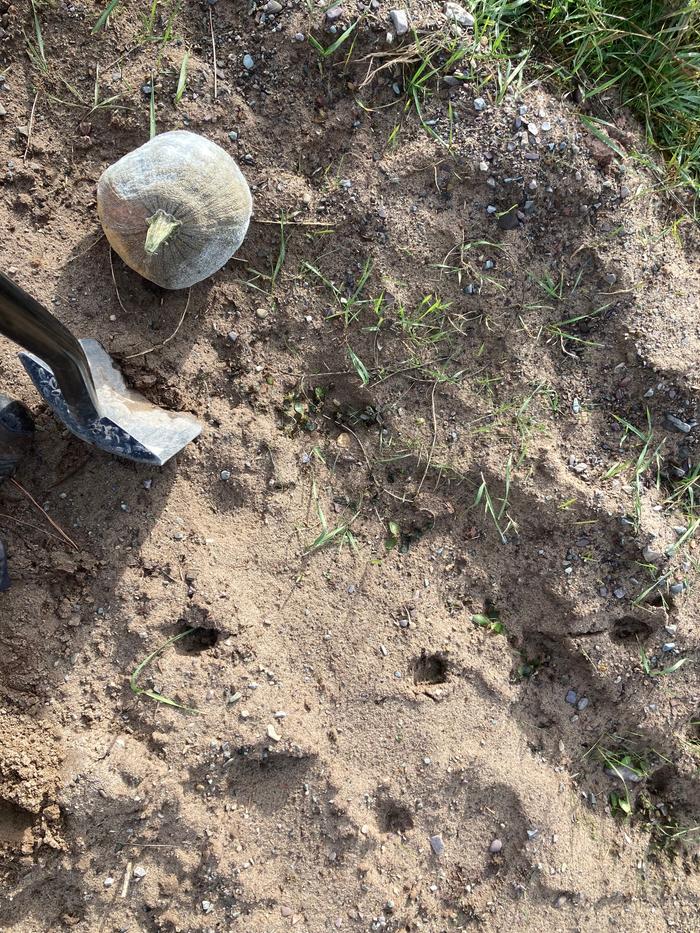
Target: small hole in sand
[
  {"x": 396, "y": 818},
  {"x": 430, "y": 669},
  {"x": 628, "y": 628},
  {"x": 201, "y": 639}
]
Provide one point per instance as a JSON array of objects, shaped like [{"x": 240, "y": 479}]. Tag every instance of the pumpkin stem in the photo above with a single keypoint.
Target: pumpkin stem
[{"x": 160, "y": 226}]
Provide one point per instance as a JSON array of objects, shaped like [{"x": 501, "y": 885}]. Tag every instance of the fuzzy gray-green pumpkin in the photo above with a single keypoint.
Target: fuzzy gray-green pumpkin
[{"x": 175, "y": 209}]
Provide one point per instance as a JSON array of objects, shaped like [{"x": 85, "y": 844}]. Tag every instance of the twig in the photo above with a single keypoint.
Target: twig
[
  {"x": 91, "y": 246},
  {"x": 30, "y": 127},
  {"x": 159, "y": 346},
  {"x": 213, "y": 50},
  {"x": 116, "y": 287},
  {"x": 18, "y": 521},
  {"x": 297, "y": 223},
  {"x": 432, "y": 446},
  {"x": 44, "y": 513},
  {"x": 127, "y": 878}
]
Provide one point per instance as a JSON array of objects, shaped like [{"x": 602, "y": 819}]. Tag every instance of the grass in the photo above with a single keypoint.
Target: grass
[
  {"x": 35, "y": 46},
  {"x": 182, "y": 79},
  {"x": 648, "y": 52},
  {"x": 340, "y": 533},
  {"x": 325, "y": 52},
  {"x": 104, "y": 16},
  {"x": 154, "y": 694},
  {"x": 498, "y": 515},
  {"x": 652, "y": 671},
  {"x": 647, "y": 456}
]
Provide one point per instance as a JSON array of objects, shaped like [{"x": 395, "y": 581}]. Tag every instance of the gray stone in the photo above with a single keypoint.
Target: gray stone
[
  {"x": 248, "y": 62},
  {"x": 509, "y": 220},
  {"x": 272, "y": 6},
  {"x": 399, "y": 20},
  {"x": 334, "y": 14},
  {"x": 685, "y": 427},
  {"x": 457, "y": 14},
  {"x": 571, "y": 697},
  {"x": 582, "y": 704},
  {"x": 479, "y": 104},
  {"x": 437, "y": 844},
  {"x": 495, "y": 846}
]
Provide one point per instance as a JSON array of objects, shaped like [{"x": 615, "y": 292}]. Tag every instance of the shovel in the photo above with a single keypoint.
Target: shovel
[{"x": 84, "y": 388}]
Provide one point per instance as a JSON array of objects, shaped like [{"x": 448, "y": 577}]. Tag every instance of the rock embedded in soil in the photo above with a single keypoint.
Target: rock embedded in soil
[
  {"x": 437, "y": 844},
  {"x": 399, "y": 20},
  {"x": 457, "y": 14},
  {"x": 495, "y": 846},
  {"x": 479, "y": 104}
]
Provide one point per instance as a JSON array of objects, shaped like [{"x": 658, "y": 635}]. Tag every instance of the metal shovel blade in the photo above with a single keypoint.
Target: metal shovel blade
[{"x": 129, "y": 426}]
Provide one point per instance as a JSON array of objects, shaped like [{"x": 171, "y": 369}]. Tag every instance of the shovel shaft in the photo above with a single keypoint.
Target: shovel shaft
[{"x": 32, "y": 326}]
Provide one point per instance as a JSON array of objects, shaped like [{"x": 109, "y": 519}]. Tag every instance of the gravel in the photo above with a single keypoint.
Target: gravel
[
  {"x": 248, "y": 62},
  {"x": 479, "y": 104},
  {"x": 495, "y": 846},
  {"x": 571, "y": 697}
]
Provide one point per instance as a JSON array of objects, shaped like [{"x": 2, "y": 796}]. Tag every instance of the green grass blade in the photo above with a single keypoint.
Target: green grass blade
[
  {"x": 153, "y": 694},
  {"x": 182, "y": 80},
  {"x": 152, "y": 112},
  {"x": 104, "y": 16}
]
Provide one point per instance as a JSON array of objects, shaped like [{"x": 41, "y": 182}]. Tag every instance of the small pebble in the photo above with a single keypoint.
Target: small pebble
[
  {"x": 108, "y": 882},
  {"x": 273, "y": 6},
  {"x": 225, "y": 475},
  {"x": 437, "y": 844},
  {"x": 479, "y": 103},
  {"x": 495, "y": 846},
  {"x": 571, "y": 697},
  {"x": 139, "y": 872},
  {"x": 334, "y": 14},
  {"x": 248, "y": 62},
  {"x": 582, "y": 704}
]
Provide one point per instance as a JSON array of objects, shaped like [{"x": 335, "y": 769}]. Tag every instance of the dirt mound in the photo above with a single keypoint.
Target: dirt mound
[{"x": 434, "y": 549}]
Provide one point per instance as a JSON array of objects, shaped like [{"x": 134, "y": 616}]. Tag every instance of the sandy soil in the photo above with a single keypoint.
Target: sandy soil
[{"x": 349, "y": 707}]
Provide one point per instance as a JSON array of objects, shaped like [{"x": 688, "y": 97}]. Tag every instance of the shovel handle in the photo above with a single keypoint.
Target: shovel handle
[{"x": 29, "y": 324}]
